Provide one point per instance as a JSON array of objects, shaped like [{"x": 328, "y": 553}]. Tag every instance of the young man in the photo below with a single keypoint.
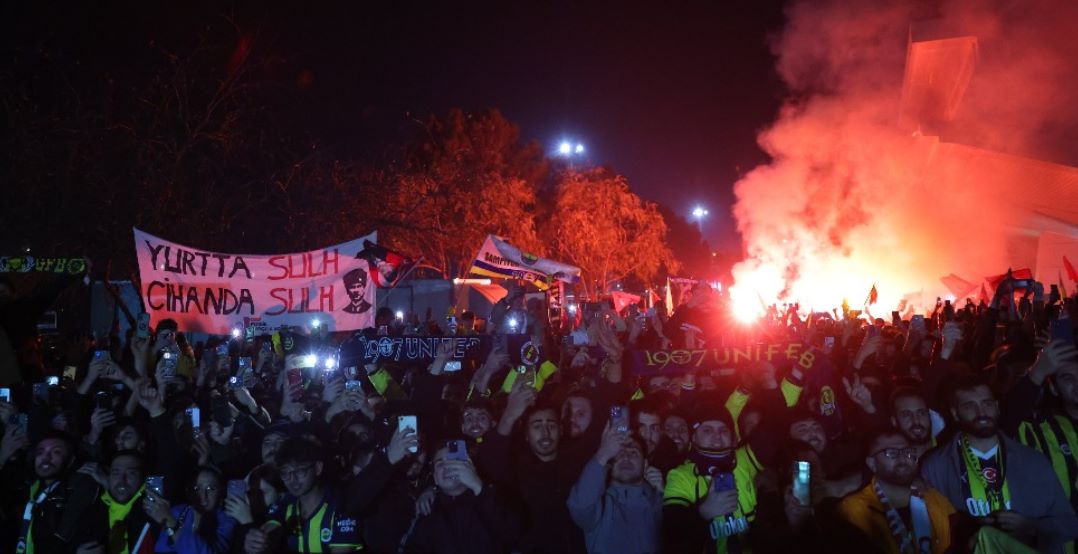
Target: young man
[
  {"x": 911, "y": 418},
  {"x": 710, "y": 500},
  {"x": 1008, "y": 485},
  {"x": 622, "y": 513},
  {"x": 307, "y": 518},
  {"x": 893, "y": 513},
  {"x": 117, "y": 521},
  {"x": 661, "y": 451},
  {"x": 467, "y": 514},
  {"x": 47, "y": 523},
  {"x": 1051, "y": 430}
]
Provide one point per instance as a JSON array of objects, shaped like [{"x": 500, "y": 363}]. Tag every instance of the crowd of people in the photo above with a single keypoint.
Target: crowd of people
[{"x": 950, "y": 431}]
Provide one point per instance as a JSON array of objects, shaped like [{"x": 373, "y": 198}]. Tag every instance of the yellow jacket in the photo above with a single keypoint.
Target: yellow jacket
[{"x": 863, "y": 510}]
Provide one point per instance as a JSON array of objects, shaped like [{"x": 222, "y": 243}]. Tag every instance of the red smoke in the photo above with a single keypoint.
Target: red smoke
[{"x": 866, "y": 186}]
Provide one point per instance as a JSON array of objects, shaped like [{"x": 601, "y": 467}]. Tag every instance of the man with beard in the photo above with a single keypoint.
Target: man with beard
[
  {"x": 661, "y": 451},
  {"x": 624, "y": 515},
  {"x": 1003, "y": 483},
  {"x": 55, "y": 491},
  {"x": 116, "y": 522},
  {"x": 910, "y": 416},
  {"x": 893, "y": 512},
  {"x": 1051, "y": 428}
]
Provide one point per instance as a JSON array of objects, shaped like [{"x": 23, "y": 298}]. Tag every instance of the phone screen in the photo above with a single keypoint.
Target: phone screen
[
  {"x": 801, "y": 484},
  {"x": 408, "y": 422},
  {"x": 156, "y": 483},
  {"x": 237, "y": 488},
  {"x": 456, "y": 450},
  {"x": 619, "y": 418}
]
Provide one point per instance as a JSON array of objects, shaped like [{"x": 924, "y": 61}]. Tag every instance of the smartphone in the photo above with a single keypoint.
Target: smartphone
[
  {"x": 452, "y": 365},
  {"x": 1022, "y": 283},
  {"x": 619, "y": 417},
  {"x": 237, "y": 488},
  {"x": 235, "y": 382},
  {"x": 142, "y": 326},
  {"x": 5, "y": 395},
  {"x": 723, "y": 482},
  {"x": 156, "y": 483},
  {"x": 456, "y": 450},
  {"x": 222, "y": 412},
  {"x": 70, "y": 371},
  {"x": 52, "y": 380},
  {"x": 1063, "y": 329},
  {"x": 801, "y": 483},
  {"x": 101, "y": 355},
  {"x": 22, "y": 423},
  {"x": 408, "y": 422},
  {"x": 194, "y": 415},
  {"x": 222, "y": 349},
  {"x": 353, "y": 385},
  {"x": 103, "y": 400},
  {"x": 528, "y": 374},
  {"x": 41, "y": 392},
  {"x": 828, "y": 344},
  {"x": 244, "y": 364}
]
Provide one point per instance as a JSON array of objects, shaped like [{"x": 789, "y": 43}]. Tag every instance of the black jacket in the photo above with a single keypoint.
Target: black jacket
[{"x": 465, "y": 524}]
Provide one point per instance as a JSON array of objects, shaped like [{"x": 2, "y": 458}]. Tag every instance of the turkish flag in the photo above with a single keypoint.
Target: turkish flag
[{"x": 1071, "y": 273}]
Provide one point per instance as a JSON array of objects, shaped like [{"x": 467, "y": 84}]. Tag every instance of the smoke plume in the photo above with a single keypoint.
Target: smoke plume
[{"x": 860, "y": 192}]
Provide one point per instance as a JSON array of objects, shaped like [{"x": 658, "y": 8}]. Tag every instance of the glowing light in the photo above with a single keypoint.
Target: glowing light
[
  {"x": 459, "y": 281},
  {"x": 565, "y": 148},
  {"x": 400, "y": 314},
  {"x": 699, "y": 212},
  {"x": 579, "y": 149},
  {"x": 513, "y": 322},
  {"x": 310, "y": 360},
  {"x": 235, "y": 332},
  {"x": 572, "y": 308},
  {"x": 330, "y": 364},
  {"x": 315, "y": 323}
]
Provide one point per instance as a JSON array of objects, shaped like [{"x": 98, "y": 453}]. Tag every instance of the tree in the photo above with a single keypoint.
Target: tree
[
  {"x": 608, "y": 231},
  {"x": 466, "y": 177}
]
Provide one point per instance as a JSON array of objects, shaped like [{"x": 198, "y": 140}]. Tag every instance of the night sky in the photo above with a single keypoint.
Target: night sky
[{"x": 671, "y": 97}]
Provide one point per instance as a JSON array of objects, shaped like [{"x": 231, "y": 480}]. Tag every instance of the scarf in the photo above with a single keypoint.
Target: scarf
[
  {"x": 981, "y": 499},
  {"x": 37, "y": 496},
  {"x": 921, "y": 539},
  {"x": 710, "y": 462},
  {"x": 118, "y": 520}
]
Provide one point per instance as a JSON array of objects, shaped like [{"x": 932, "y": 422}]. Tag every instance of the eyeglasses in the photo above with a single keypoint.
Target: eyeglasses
[
  {"x": 896, "y": 453},
  {"x": 297, "y": 473}
]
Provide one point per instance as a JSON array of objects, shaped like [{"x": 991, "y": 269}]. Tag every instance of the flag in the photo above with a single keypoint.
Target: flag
[
  {"x": 387, "y": 267},
  {"x": 983, "y": 297},
  {"x": 873, "y": 296},
  {"x": 501, "y": 260},
  {"x": 669, "y": 299},
  {"x": 623, "y": 299},
  {"x": 1071, "y": 273},
  {"x": 995, "y": 280},
  {"x": 958, "y": 286},
  {"x": 1062, "y": 288}
]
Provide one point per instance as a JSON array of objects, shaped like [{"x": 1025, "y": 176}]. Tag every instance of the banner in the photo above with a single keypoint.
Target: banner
[
  {"x": 662, "y": 362},
  {"x": 211, "y": 292},
  {"x": 501, "y": 260},
  {"x": 31, "y": 264},
  {"x": 421, "y": 350}
]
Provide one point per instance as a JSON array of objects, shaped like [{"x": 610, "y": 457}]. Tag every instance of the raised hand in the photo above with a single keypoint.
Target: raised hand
[
  {"x": 1055, "y": 355},
  {"x": 400, "y": 445},
  {"x": 859, "y": 393}
]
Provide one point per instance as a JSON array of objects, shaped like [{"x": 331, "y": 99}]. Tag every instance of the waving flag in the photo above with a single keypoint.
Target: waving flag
[
  {"x": 501, "y": 260},
  {"x": 1071, "y": 273},
  {"x": 387, "y": 267}
]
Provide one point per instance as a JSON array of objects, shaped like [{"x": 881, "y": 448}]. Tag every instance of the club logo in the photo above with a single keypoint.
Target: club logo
[
  {"x": 991, "y": 476},
  {"x": 385, "y": 347},
  {"x": 326, "y": 535},
  {"x": 529, "y": 354},
  {"x": 528, "y": 258}
]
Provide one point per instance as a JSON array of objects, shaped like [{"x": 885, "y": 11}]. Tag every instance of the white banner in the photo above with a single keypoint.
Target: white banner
[{"x": 210, "y": 292}]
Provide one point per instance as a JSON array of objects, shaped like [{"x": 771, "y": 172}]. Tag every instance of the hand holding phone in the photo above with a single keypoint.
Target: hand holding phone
[
  {"x": 456, "y": 450},
  {"x": 801, "y": 483},
  {"x": 619, "y": 418},
  {"x": 405, "y": 422},
  {"x": 194, "y": 415}
]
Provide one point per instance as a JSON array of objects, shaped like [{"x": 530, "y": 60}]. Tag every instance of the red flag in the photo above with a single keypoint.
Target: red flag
[
  {"x": 387, "y": 267},
  {"x": 983, "y": 297},
  {"x": 958, "y": 286},
  {"x": 873, "y": 296},
  {"x": 1071, "y": 273},
  {"x": 995, "y": 280}
]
